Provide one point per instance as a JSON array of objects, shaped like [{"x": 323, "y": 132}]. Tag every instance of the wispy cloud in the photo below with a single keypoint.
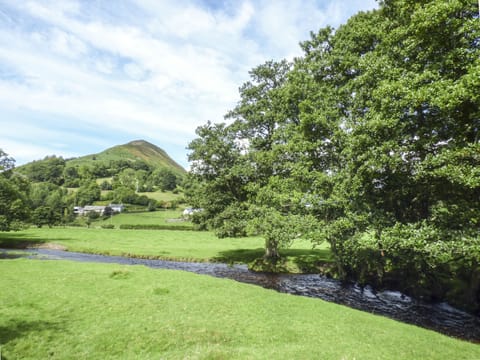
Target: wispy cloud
[{"x": 95, "y": 74}]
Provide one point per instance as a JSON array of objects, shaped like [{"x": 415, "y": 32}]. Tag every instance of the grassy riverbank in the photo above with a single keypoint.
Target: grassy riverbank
[
  {"x": 165, "y": 244},
  {"x": 60, "y": 309}
]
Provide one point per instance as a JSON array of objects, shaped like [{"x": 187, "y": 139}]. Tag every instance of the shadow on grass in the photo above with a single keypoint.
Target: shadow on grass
[
  {"x": 310, "y": 261},
  {"x": 21, "y": 240},
  {"x": 12, "y": 240},
  {"x": 302, "y": 260},
  {"x": 239, "y": 255},
  {"x": 14, "y": 329}
]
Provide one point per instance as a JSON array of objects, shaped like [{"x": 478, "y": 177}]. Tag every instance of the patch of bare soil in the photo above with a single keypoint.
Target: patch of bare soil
[{"x": 51, "y": 246}]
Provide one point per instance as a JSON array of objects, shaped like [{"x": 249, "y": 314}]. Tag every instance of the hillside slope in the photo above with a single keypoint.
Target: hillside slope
[{"x": 135, "y": 150}]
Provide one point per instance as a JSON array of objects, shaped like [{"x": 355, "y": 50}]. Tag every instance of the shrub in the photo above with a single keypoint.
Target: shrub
[{"x": 418, "y": 259}]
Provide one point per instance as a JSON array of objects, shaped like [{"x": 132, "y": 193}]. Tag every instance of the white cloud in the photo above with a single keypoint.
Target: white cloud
[
  {"x": 152, "y": 69},
  {"x": 134, "y": 71},
  {"x": 67, "y": 44}
]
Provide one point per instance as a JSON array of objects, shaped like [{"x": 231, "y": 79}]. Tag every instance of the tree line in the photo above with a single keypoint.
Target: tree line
[
  {"x": 58, "y": 171},
  {"x": 369, "y": 141}
]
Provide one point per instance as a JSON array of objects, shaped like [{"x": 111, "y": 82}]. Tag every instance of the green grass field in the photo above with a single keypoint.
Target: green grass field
[
  {"x": 162, "y": 195},
  {"x": 161, "y": 244},
  {"x": 169, "y": 217},
  {"x": 67, "y": 310}
]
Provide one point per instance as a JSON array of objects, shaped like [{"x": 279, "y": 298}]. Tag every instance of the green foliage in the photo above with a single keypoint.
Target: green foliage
[
  {"x": 14, "y": 209},
  {"x": 107, "y": 212},
  {"x": 420, "y": 259},
  {"x": 279, "y": 230},
  {"x": 50, "y": 169},
  {"x": 45, "y": 215},
  {"x": 232, "y": 222},
  {"x": 50, "y": 203},
  {"x": 411, "y": 156},
  {"x": 13, "y": 205},
  {"x": 217, "y": 176},
  {"x": 374, "y": 129},
  {"x": 105, "y": 185},
  {"x": 93, "y": 215},
  {"x": 87, "y": 194},
  {"x": 165, "y": 179},
  {"x": 152, "y": 205},
  {"x": 6, "y": 162},
  {"x": 128, "y": 179}
]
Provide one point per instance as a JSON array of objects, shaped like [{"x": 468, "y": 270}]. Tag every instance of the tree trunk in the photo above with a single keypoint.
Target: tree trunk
[
  {"x": 474, "y": 288},
  {"x": 271, "y": 251}
]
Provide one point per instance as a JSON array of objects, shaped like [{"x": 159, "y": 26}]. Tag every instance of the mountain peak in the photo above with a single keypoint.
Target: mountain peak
[{"x": 139, "y": 143}]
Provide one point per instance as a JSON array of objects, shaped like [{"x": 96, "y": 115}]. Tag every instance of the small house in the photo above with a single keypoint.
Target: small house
[
  {"x": 78, "y": 210},
  {"x": 117, "y": 207},
  {"x": 93, "y": 208},
  {"x": 190, "y": 211}
]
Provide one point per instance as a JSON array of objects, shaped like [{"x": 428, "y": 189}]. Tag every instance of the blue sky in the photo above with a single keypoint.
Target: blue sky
[{"x": 77, "y": 77}]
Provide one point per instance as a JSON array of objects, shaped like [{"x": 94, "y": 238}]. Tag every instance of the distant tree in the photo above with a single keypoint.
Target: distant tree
[
  {"x": 14, "y": 208},
  {"x": 108, "y": 211},
  {"x": 141, "y": 200},
  {"x": 128, "y": 178},
  {"x": 45, "y": 215},
  {"x": 168, "y": 180},
  {"x": 93, "y": 215},
  {"x": 71, "y": 176},
  {"x": 100, "y": 170},
  {"x": 49, "y": 202},
  {"x": 40, "y": 192},
  {"x": 88, "y": 193},
  {"x": 50, "y": 169},
  {"x": 106, "y": 185},
  {"x": 152, "y": 205},
  {"x": 86, "y": 173},
  {"x": 6, "y": 162},
  {"x": 127, "y": 195},
  {"x": 140, "y": 165},
  {"x": 164, "y": 178}
]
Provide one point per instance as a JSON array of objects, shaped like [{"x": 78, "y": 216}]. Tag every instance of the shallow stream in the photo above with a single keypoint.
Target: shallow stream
[{"x": 440, "y": 317}]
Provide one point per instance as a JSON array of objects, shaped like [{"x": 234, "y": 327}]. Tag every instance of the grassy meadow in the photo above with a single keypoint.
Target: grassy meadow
[
  {"x": 61, "y": 309},
  {"x": 161, "y": 244},
  {"x": 170, "y": 217},
  {"x": 162, "y": 195},
  {"x": 69, "y": 310}
]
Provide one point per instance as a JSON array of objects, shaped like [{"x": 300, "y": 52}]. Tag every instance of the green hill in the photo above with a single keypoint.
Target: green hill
[
  {"x": 138, "y": 150},
  {"x": 136, "y": 155}
]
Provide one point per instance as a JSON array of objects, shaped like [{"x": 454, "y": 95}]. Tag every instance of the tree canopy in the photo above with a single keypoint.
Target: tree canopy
[
  {"x": 374, "y": 134},
  {"x": 14, "y": 208}
]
